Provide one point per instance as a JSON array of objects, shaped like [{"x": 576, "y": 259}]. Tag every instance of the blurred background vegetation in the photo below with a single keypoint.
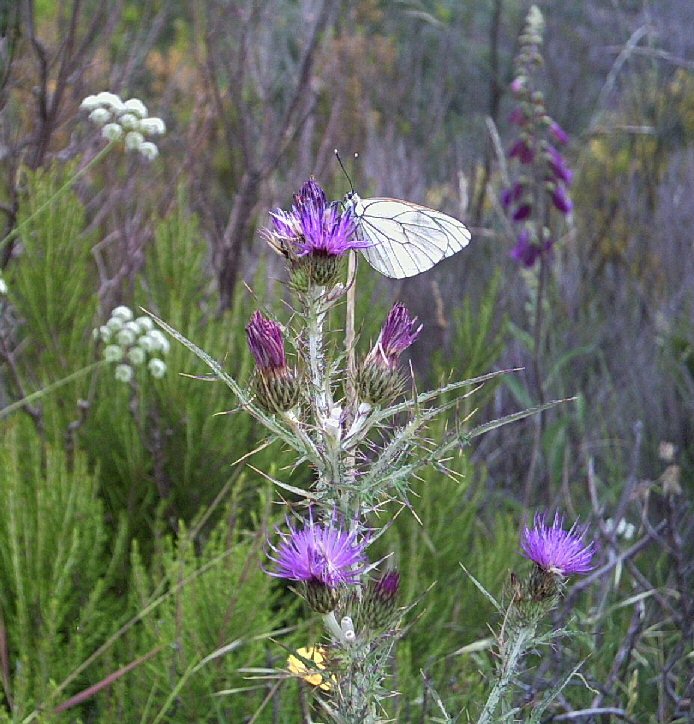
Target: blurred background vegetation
[{"x": 131, "y": 528}]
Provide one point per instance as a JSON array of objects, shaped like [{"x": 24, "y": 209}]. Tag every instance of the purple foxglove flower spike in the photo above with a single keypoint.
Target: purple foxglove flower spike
[
  {"x": 518, "y": 117},
  {"x": 556, "y": 550}
]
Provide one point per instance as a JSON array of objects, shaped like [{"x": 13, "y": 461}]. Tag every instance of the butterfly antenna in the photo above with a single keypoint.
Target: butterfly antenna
[{"x": 344, "y": 170}]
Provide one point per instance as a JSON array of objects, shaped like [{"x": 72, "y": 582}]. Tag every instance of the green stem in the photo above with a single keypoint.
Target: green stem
[
  {"x": 316, "y": 355},
  {"x": 5, "y": 411},
  {"x": 65, "y": 187},
  {"x": 511, "y": 656}
]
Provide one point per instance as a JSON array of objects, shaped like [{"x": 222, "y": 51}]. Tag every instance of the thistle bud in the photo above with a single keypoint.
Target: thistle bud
[
  {"x": 275, "y": 383},
  {"x": 380, "y": 597},
  {"x": 321, "y": 598},
  {"x": 379, "y": 379}
]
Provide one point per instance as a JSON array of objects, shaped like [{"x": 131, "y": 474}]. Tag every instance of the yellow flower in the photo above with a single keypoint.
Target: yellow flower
[{"x": 317, "y": 655}]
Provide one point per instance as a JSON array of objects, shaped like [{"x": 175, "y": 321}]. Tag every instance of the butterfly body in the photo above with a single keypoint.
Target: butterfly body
[{"x": 406, "y": 238}]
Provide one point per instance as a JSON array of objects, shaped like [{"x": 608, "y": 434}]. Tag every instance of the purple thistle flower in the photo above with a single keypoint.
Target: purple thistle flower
[
  {"x": 319, "y": 554},
  {"x": 327, "y": 231},
  {"x": 314, "y": 227},
  {"x": 561, "y": 200},
  {"x": 399, "y": 331},
  {"x": 559, "y": 166},
  {"x": 266, "y": 343},
  {"x": 522, "y": 212},
  {"x": 522, "y": 151},
  {"x": 286, "y": 225},
  {"x": 558, "y": 133},
  {"x": 556, "y": 550}
]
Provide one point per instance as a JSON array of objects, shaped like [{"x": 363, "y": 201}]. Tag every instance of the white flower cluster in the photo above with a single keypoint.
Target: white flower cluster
[
  {"x": 131, "y": 342},
  {"x": 125, "y": 119},
  {"x": 3, "y": 286}
]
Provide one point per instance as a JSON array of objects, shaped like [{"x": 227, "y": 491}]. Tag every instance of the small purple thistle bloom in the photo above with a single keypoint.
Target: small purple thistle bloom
[
  {"x": 558, "y": 133},
  {"x": 266, "y": 343},
  {"x": 320, "y": 554},
  {"x": 399, "y": 331},
  {"x": 286, "y": 225},
  {"x": 556, "y": 550},
  {"x": 561, "y": 200}
]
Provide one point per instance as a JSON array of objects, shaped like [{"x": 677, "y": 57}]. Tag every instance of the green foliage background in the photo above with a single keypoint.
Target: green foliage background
[{"x": 132, "y": 527}]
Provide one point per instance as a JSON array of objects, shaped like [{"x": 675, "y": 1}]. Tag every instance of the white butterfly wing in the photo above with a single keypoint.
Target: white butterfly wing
[{"x": 407, "y": 239}]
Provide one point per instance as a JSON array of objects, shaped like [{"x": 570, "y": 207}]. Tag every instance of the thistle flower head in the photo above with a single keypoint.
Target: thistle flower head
[
  {"x": 378, "y": 378},
  {"x": 313, "y": 236},
  {"x": 276, "y": 385},
  {"x": 555, "y": 550},
  {"x": 326, "y": 231},
  {"x": 322, "y": 554},
  {"x": 266, "y": 343},
  {"x": 399, "y": 331}
]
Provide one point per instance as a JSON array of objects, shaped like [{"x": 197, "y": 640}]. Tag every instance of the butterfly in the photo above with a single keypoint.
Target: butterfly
[{"x": 406, "y": 238}]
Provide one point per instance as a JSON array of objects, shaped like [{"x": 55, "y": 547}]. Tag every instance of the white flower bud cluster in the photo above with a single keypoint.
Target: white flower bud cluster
[
  {"x": 3, "y": 286},
  {"x": 125, "y": 119},
  {"x": 624, "y": 529},
  {"x": 131, "y": 342}
]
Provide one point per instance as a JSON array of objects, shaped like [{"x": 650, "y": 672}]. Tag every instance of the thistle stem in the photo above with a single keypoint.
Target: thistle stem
[
  {"x": 316, "y": 354},
  {"x": 512, "y": 653}
]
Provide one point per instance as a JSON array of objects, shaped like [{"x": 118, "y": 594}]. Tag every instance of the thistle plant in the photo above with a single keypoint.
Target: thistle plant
[
  {"x": 556, "y": 554},
  {"x": 365, "y": 441}
]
